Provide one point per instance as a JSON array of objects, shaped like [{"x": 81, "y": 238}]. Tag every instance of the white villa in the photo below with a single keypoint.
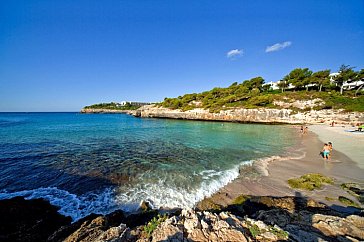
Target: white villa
[
  {"x": 346, "y": 85},
  {"x": 123, "y": 103}
]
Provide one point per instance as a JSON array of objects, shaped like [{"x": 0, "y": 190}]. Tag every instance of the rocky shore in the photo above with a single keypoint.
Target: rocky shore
[
  {"x": 261, "y": 115},
  {"x": 251, "y": 219},
  {"x": 303, "y": 114},
  {"x": 99, "y": 110}
]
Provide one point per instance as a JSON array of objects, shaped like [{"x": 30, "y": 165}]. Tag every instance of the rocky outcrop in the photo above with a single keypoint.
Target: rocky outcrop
[
  {"x": 29, "y": 220},
  {"x": 261, "y": 115},
  {"x": 254, "y": 219},
  {"x": 99, "y": 110}
]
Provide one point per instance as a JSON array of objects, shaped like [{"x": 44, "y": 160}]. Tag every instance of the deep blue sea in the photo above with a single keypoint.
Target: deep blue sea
[{"x": 97, "y": 163}]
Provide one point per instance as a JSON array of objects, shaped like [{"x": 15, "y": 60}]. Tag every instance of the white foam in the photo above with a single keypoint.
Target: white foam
[
  {"x": 159, "y": 193},
  {"x": 162, "y": 194},
  {"x": 70, "y": 204}
]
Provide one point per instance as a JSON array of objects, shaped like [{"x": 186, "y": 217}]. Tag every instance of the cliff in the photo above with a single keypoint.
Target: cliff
[{"x": 258, "y": 115}]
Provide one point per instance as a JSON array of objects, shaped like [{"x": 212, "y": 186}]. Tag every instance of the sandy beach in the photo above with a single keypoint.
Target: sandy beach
[
  {"x": 345, "y": 166},
  {"x": 344, "y": 139}
]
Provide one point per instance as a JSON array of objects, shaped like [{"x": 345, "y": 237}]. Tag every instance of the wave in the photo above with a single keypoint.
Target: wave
[
  {"x": 70, "y": 204},
  {"x": 261, "y": 165},
  {"x": 159, "y": 194}
]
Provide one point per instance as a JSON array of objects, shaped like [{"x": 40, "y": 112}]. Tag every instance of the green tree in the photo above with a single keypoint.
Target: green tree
[
  {"x": 346, "y": 74},
  {"x": 320, "y": 78},
  {"x": 282, "y": 84},
  {"x": 360, "y": 77},
  {"x": 299, "y": 78},
  {"x": 256, "y": 82}
]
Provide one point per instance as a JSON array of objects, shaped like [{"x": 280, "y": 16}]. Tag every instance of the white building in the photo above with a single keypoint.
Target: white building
[
  {"x": 346, "y": 85},
  {"x": 123, "y": 103}
]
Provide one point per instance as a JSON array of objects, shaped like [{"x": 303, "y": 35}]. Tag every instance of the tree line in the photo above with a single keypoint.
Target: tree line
[
  {"x": 302, "y": 78},
  {"x": 255, "y": 93}
]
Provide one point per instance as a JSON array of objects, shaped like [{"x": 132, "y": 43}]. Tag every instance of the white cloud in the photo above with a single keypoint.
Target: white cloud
[
  {"x": 233, "y": 54},
  {"x": 278, "y": 46}
]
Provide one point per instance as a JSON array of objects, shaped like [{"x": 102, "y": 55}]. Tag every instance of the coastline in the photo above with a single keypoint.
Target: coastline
[
  {"x": 254, "y": 115},
  {"x": 272, "y": 209},
  {"x": 301, "y": 159}
]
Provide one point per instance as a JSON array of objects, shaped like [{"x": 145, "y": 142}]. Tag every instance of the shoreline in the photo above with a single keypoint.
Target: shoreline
[
  {"x": 305, "y": 159},
  {"x": 270, "y": 205},
  {"x": 244, "y": 115}
]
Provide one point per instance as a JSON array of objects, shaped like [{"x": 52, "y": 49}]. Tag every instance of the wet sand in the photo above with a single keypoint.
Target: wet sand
[{"x": 301, "y": 159}]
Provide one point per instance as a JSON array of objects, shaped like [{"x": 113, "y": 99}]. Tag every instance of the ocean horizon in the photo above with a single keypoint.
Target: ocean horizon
[{"x": 98, "y": 163}]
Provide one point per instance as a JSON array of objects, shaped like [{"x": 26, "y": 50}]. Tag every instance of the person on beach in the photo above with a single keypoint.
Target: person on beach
[
  {"x": 326, "y": 152},
  {"x": 305, "y": 130},
  {"x": 301, "y": 129},
  {"x": 330, "y": 148}
]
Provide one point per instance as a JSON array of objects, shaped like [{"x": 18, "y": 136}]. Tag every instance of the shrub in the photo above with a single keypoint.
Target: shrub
[
  {"x": 310, "y": 181},
  {"x": 240, "y": 200},
  {"x": 348, "y": 202},
  {"x": 153, "y": 224}
]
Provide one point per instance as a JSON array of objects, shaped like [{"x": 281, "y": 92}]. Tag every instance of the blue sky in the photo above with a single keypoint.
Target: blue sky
[{"x": 63, "y": 55}]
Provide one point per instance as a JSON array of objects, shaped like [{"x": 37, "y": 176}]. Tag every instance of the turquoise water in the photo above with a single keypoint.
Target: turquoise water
[{"x": 101, "y": 162}]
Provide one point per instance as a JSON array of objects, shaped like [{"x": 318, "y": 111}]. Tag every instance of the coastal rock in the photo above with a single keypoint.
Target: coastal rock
[
  {"x": 100, "y": 110},
  {"x": 352, "y": 226},
  {"x": 257, "y": 115},
  {"x": 111, "y": 227},
  {"x": 200, "y": 226},
  {"x": 29, "y": 220},
  {"x": 261, "y": 219},
  {"x": 99, "y": 229},
  {"x": 168, "y": 231}
]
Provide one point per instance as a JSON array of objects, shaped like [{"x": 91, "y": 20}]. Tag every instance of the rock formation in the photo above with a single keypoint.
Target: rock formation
[
  {"x": 261, "y": 115},
  {"x": 29, "y": 220},
  {"x": 99, "y": 110},
  {"x": 254, "y": 219}
]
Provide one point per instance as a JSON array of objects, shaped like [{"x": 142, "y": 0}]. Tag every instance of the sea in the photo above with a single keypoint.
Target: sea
[{"x": 98, "y": 163}]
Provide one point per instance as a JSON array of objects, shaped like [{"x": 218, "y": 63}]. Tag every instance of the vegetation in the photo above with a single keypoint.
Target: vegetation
[
  {"x": 153, "y": 224},
  {"x": 346, "y": 73},
  {"x": 310, "y": 181},
  {"x": 255, "y": 231},
  {"x": 254, "y": 93},
  {"x": 330, "y": 199},
  {"x": 112, "y": 106},
  {"x": 355, "y": 190},
  {"x": 240, "y": 200},
  {"x": 348, "y": 202}
]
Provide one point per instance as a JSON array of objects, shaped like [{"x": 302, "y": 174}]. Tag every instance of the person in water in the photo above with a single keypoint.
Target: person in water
[
  {"x": 330, "y": 148},
  {"x": 326, "y": 152}
]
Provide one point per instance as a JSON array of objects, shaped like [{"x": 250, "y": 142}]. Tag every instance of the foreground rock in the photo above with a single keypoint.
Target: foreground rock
[
  {"x": 257, "y": 115},
  {"x": 252, "y": 219},
  {"x": 29, "y": 220}
]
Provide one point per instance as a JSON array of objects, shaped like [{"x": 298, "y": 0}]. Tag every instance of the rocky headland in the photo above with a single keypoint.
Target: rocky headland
[
  {"x": 101, "y": 110},
  {"x": 255, "y": 115}
]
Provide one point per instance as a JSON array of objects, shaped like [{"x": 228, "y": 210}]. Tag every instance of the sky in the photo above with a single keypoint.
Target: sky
[{"x": 63, "y": 55}]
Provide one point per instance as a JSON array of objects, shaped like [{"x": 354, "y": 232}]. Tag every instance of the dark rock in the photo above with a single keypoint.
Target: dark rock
[
  {"x": 29, "y": 220},
  {"x": 145, "y": 206}
]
